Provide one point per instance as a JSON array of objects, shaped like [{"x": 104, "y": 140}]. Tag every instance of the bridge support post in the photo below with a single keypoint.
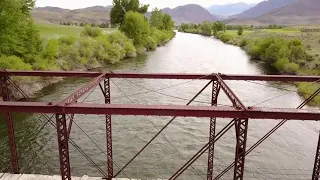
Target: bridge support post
[
  {"x": 63, "y": 145},
  {"x": 4, "y": 92},
  {"x": 241, "y": 126},
  {"x": 214, "y": 102},
  {"x": 316, "y": 168},
  {"x": 108, "y": 129}
]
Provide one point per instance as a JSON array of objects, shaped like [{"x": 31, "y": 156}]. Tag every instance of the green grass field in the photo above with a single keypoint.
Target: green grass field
[
  {"x": 235, "y": 32},
  {"x": 49, "y": 31}
]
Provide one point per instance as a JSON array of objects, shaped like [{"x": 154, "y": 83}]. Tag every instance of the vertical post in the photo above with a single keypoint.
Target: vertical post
[
  {"x": 241, "y": 126},
  {"x": 63, "y": 146},
  {"x": 316, "y": 168},
  {"x": 108, "y": 129},
  {"x": 4, "y": 92},
  {"x": 214, "y": 102}
]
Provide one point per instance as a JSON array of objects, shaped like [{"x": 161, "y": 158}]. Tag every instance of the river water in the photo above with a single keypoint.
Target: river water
[{"x": 287, "y": 154}]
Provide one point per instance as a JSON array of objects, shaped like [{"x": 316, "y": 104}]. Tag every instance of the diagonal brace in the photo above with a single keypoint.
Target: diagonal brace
[
  {"x": 231, "y": 95},
  {"x": 74, "y": 97}
]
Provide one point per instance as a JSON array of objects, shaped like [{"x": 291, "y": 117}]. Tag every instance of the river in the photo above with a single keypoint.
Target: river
[{"x": 287, "y": 154}]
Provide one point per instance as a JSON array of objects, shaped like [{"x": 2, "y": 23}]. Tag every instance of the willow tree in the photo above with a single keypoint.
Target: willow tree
[
  {"x": 18, "y": 34},
  {"x": 121, "y": 7}
]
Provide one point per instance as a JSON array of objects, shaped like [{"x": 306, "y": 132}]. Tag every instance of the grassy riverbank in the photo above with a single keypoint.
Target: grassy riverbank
[
  {"x": 29, "y": 46},
  {"x": 285, "y": 51}
]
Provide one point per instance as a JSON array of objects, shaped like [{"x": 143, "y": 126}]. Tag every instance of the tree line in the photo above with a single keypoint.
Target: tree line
[
  {"x": 22, "y": 48},
  {"x": 102, "y": 25}
]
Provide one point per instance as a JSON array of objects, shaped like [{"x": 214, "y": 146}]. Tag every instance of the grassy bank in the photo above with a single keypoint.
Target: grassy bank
[
  {"x": 53, "y": 31},
  {"x": 285, "y": 51}
]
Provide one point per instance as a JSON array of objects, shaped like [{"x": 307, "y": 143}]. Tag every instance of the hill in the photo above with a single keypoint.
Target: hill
[
  {"x": 230, "y": 9},
  {"x": 191, "y": 13},
  {"x": 299, "y": 12},
  {"x": 95, "y": 14},
  {"x": 263, "y": 8}
]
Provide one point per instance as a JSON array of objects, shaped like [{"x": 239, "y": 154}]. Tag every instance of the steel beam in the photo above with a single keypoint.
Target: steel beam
[
  {"x": 63, "y": 145},
  {"x": 163, "y": 110},
  {"x": 70, "y": 124},
  {"x": 231, "y": 95},
  {"x": 108, "y": 129},
  {"x": 316, "y": 168},
  {"x": 74, "y": 97},
  {"x": 4, "y": 93},
  {"x": 241, "y": 126},
  {"x": 237, "y": 77},
  {"x": 212, "y": 133}
]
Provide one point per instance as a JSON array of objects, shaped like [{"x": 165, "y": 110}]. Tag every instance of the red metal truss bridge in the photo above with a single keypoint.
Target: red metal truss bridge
[{"x": 65, "y": 110}]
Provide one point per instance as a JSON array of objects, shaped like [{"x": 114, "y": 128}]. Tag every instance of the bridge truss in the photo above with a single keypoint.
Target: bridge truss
[{"x": 240, "y": 113}]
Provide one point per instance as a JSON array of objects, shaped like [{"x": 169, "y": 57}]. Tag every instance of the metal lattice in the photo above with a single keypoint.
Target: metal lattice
[
  {"x": 241, "y": 126},
  {"x": 108, "y": 129},
  {"x": 316, "y": 168},
  {"x": 4, "y": 92},
  {"x": 214, "y": 102},
  {"x": 63, "y": 146}
]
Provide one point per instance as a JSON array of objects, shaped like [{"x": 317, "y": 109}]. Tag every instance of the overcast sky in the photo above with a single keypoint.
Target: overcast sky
[{"x": 74, "y": 4}]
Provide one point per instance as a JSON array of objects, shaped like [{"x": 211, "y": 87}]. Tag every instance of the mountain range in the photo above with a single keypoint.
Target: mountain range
[{"x": 266, "y": 12}]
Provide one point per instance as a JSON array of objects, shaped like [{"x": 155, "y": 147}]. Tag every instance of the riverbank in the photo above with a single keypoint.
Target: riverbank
[
  {"x": 91, "y": 49},
  {"x": 286, "y": 51}
]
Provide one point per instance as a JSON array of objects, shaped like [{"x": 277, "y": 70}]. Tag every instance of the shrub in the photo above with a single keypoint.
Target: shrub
[
  {"x": 107, "y": 52},
  {"x": 224, "y": 37},
  {"x": 91, "y": 31},
  {"x": 67, "y": 40},
  {"x": 291, "y": 68},
  {"x": 281, "y": 64},
  {"x": 151, "y": 44},
  {"x": 243, "y": 43},
  {"x": 13, "y": 63},
  {"x": 126, "y": 45},
  {"x": 51, "y": 49}
]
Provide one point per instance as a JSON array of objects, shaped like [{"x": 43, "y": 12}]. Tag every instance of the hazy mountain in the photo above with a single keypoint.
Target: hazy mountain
[
  {"x": 263, "y": 8},
  {"x": 297, "y": 12},
  {"x": 191, "y": 13},
  {"x": 230, "y": 9},
  {"x": 95, "y": 14}
]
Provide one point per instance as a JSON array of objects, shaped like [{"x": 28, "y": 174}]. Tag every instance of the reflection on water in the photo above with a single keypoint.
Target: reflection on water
[{"x": 289, "y": 151}]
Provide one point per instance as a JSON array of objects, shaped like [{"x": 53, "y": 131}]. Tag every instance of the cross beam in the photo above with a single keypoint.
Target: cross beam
[
  {"x": 283, "y": 78},
  {"x": 163, "y": 110}
]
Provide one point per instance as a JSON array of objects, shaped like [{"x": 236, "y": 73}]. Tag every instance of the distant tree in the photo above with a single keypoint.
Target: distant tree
[
  {"x": 76, "y": 24},
  {"x": 220, "y": 26},
  {"x": 206, "y": 28},
  {"x": 168, "y": 23},
  {"x": 69, "y": 23},
  {"x": 81, "y": 24},
  {"x": 121, "y": 7},
  {"x": 240, "y": 30},
  {"x": 93, "y": 25},
  {"x": 156, "y": 19},
  {"x": 107, "y": 25},
  {"x": 135, "y": 27},
  {"x": 64, "y": 23}
]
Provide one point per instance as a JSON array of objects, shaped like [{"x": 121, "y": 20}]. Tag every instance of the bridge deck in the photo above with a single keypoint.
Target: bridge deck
[{"x": 6, "y": 176}]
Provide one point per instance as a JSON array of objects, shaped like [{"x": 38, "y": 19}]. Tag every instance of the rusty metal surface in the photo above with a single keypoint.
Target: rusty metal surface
[
  {"x": 74, "y": 97},
  {"x": 238, "y": 77},
  {"x": 163, "y": 110},
  {"x": 241, "y": 128},
  {"x": 63, "y": 146},
  {"x": 316, "y": 168},
  {"x": 212, "y": 131},
  {"x": 231, "y": 95},
  {"x": 107, "y": 97},
  {"x": 4, "y": 93}
]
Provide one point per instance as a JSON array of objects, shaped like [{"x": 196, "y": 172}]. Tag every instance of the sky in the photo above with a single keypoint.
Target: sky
[{"x": 75, "y": 4}]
